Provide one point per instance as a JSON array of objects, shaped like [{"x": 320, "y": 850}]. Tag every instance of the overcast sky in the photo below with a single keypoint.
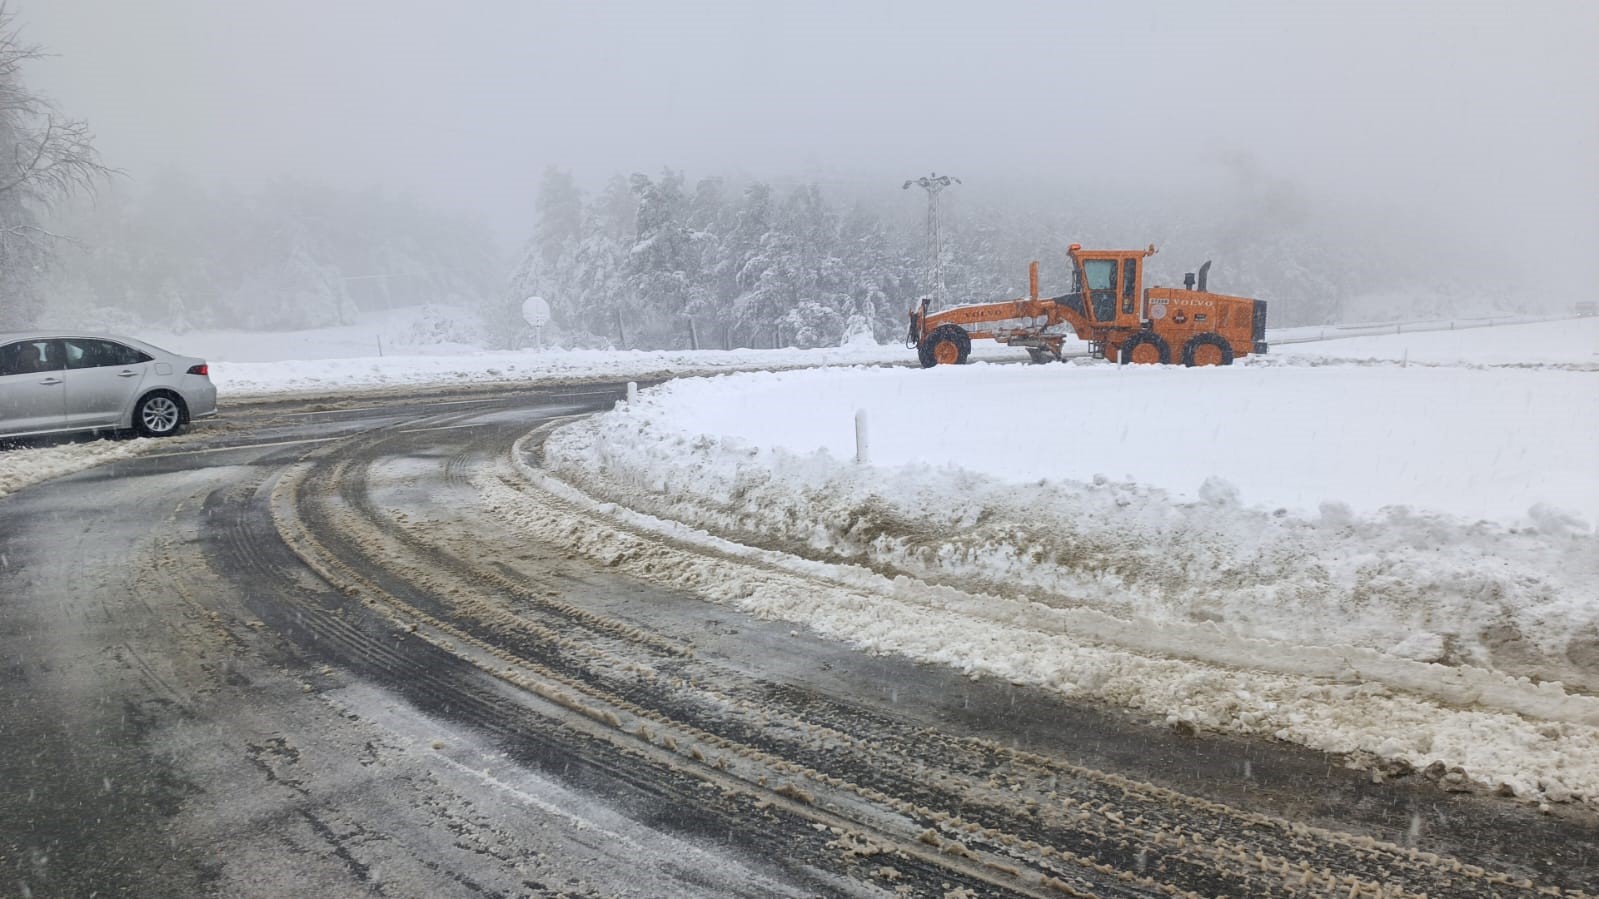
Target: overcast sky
[{"x": 1485, "y": 111}]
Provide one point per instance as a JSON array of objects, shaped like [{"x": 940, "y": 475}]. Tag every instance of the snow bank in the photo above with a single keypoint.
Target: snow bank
[
  {"x": 1470, "y": 443},
  {"x": 22, "y": 466},
  {"x": 975, "y": 487}
]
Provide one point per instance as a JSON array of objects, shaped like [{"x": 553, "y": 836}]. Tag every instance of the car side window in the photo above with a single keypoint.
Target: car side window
[
  {"x": 117, "y": 354},
  {"x": 85, "y": 353},
  {"x": 27, "y": 357},
  {"x": 10, "y": 361},
  {"x": 79, "y": 353}
]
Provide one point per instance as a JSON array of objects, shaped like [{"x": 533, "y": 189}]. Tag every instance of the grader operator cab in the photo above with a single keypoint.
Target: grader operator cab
[{"x": 1109, "y": 308}]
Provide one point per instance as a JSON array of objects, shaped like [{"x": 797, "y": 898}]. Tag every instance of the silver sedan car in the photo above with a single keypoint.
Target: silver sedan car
[{"x": 60, "y": 382}]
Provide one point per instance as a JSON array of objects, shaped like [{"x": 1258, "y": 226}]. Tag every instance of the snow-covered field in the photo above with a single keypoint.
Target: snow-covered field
[
  {"x": 1380, "y": 545},
  {"x": 1566, "y": 343}
]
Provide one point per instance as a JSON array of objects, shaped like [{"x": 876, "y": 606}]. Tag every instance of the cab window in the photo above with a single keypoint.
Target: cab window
[
  {"x": 1129, "y": 284},
  {"x": 1101, "y": 275}
]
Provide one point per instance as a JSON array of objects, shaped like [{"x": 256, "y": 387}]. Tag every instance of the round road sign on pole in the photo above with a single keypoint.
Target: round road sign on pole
[{"x": 536, "y": 312}]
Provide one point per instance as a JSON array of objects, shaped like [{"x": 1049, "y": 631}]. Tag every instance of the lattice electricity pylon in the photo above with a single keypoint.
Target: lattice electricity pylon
[{"x": 934, "y": 184}]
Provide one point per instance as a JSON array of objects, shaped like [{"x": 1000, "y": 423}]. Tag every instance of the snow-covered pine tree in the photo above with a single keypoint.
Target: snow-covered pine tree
[
  {"x": 662, "y": 264},
  {"x": 592, "y": 286},
  {"x": 819, "y": 300}
]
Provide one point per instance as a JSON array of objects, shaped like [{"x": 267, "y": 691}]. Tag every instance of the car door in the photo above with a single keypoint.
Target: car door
[
  {"x": 32, "y": 389},
  {"x": 102, "y": 377}
]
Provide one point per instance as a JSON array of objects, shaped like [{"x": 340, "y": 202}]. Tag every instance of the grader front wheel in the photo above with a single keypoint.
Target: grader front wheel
[
  {"x": 947, "y": 345},
  {"x": 1144, "y": 349}
]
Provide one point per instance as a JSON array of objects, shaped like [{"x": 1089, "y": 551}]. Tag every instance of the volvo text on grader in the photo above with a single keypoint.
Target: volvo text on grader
[{"x": 1109, "y": 308}]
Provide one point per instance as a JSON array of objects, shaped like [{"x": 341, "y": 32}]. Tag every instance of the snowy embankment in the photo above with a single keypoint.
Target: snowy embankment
[{"x": 1359, "y": 535}]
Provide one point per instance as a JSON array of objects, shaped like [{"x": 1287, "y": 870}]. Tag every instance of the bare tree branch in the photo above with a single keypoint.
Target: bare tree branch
[
  {"x": 51, "y": 157},
  {"x": 45, "y": 158},
  {"x": 38, "y": 237}
]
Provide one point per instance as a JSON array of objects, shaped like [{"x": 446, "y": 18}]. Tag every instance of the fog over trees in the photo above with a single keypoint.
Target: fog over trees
[
  {"x": 643, "y": 238},
  {"x": 654, "y": 261},
  {"x": 291, "y": 255}
]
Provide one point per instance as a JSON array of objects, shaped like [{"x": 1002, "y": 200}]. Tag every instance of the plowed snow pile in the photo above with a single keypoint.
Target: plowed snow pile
[{"x": 1419, "y": 528}]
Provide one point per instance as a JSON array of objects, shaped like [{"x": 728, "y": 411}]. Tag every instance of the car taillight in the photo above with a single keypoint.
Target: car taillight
[{"x": 202, "y": 369}]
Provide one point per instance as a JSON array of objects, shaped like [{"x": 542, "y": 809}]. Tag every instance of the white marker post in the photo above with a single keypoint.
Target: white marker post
[
  {"x": 862, "y": 445},
  {"x": 536, "y": 313},
  {"x": 632, "y": 392}
]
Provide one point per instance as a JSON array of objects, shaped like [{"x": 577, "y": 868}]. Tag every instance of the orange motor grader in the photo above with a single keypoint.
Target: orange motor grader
[{"x": 1109, "y": 308}]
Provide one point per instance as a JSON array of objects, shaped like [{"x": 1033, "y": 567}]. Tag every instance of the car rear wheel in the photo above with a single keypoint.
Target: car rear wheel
[{"x": 158, "y": 415}]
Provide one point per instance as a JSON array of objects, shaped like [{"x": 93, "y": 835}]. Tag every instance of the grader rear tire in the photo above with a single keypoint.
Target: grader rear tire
[{"x": 1208, "y": 348}]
